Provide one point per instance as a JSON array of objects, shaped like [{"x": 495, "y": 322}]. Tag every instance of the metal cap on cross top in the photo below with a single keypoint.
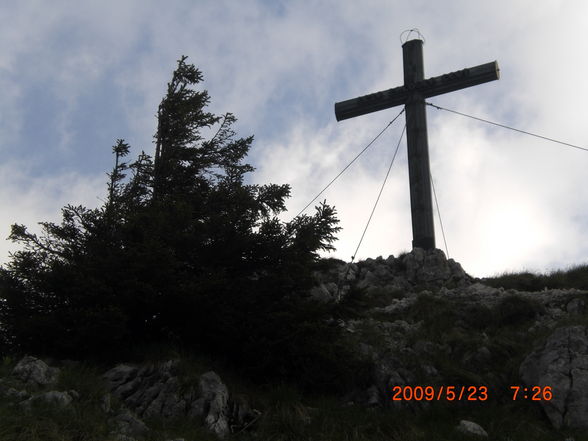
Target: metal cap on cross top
[
  {"x": 412, "y": 95},
  {"x": 409, "y": 32}
]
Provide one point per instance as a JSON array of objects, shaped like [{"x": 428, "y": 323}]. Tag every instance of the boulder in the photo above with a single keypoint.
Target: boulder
[
  {"x": 154, "y": 391},
  {"x": 471, "y": 428},
  {"x": 55, "y": 398},
  {"x": 432, "y": 267},
  {"x": 212, "y": 404},
  {"x": 373, "y": 398},
  {"x": 150, "y": 391},
  {"x": 33, "y": 371},
  {"x": 562, "y": 364},
  {"x": 128, "y": 425},
  {"x": 242, "y": 415},
  {"x": 120, "y": 374},
  {"x": 576, "y": 306},
  {"x": 15, "y": 394}
]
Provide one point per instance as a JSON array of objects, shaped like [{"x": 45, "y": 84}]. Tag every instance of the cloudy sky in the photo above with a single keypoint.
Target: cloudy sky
[{"x": 76, "y": 76}]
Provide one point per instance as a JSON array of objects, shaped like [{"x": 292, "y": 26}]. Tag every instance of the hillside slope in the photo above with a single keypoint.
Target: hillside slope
[{"x": 448, "y": 357}]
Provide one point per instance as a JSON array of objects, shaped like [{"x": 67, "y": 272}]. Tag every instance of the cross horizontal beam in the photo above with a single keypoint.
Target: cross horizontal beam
[{"x": 426, "y": 88}]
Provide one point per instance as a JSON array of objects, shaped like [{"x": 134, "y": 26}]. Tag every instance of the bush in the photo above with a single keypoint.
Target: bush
[{"x": 514, "y": 310}]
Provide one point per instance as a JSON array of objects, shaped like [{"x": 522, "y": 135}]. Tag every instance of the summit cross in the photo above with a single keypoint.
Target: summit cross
[{"x": 412, "y": 94}]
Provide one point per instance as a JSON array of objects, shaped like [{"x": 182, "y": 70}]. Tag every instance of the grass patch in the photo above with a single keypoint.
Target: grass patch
[
  {"x": 515, "y": 310},
  {"x": 7, "y": 365},
  {"x": 478, "y": 317},
  {"x": 83, "y": 378},
  {"x": 45, "y": 422},
  {"x": 574, "y": 277},
  {"x": 384, "y": 295},
  {"x": 329, "y": 263},
  {"x": 171, "y": 429},
  {"x": 437, "y": 314}
]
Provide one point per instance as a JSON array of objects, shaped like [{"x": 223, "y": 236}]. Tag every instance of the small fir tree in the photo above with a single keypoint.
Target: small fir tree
[{"x": 183, "y": 250}]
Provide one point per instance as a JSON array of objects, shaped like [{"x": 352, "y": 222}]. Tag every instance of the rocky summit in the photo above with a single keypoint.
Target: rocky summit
[
  {"x": 429, "y": 323},
  {"x": 415, "y": 270},
  {"x": 431, "y": 335}
]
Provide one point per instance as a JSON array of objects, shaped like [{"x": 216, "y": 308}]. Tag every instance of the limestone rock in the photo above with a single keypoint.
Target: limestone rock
[
  {"x": 575, "y": 306},
  {"x": 417, "y": 268},
  {"x": 241, "y": 413},
  {"x": 151, "y": 391},
  {"x": 480, "y": 356},
  {"x": 55, "y": 398},
  {"x": 471, "y": 428},
  {"x": 562, "y": 364},
  {"x": 479, "y": 289},
  {"x": 33, "y": 371},
  {"x": 212, "y": 403},
  {"x": 15, "y": 394},
  {"x": 120, "y": 375},
  {"x": 431, "y": 266},
  {"x": 128, "y": 424},
  {"x": 373, "y": 398},
  {"x": 154, "y": 391}
]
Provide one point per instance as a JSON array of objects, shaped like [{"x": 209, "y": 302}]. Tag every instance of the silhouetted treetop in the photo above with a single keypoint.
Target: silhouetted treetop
[{"x": 182, "y": 251}]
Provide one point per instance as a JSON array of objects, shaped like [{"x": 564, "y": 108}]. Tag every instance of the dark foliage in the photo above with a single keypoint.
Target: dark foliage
[
  {"x": 182, "y": 251},
  {"x": 514, "y": 310}
]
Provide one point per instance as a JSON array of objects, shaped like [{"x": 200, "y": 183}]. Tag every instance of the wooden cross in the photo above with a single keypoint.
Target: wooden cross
[{"x": 413, "y": 95}]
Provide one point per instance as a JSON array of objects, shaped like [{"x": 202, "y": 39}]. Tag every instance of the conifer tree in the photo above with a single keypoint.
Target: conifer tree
[{"x": 183, "y": 249}]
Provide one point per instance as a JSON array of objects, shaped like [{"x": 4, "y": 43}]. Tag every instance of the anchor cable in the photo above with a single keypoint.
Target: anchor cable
[
  {"x": 379, "y": 194},
  {"x": 439, "y": 214},
  {"x": 506, "y": 127},
  {"x": 348, "y": 165},
  {"x": 342, "y": 279}
]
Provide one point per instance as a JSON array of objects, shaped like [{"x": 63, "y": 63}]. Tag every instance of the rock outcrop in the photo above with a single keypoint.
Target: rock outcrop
[
  {"x": 32, "y": 371},
  {"x": 156, "y": 391},
  {"x": 25, "y": 385},
  {"x": 399, "y": 337},
  {"x": 149, "y": 391},
  {"x": 419, "y": 268},
  {"x": 127, "y": 426},
  {"x": 53, "y": 397},
  {"x": 433, "y": 268},
  {"x": 562, "y": 364},
  {"x": 212, "y": 403},
  {"x": 471, "y": 428}
]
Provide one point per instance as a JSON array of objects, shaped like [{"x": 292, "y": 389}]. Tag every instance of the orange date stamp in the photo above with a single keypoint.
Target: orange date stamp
[{"x": 439, "y": 393}]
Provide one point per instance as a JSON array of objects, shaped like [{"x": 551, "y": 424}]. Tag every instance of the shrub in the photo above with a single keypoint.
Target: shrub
[{"x": 514, "y": 310}]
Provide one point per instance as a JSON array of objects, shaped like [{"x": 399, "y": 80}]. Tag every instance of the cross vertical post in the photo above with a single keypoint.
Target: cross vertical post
[{"x": 421, "y": 203}]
